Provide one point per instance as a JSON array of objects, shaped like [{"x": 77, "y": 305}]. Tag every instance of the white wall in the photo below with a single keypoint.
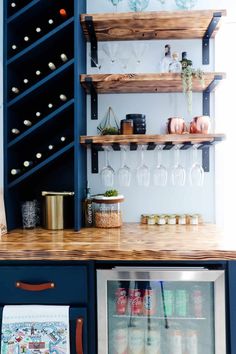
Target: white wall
[{"x": 157, "y": 107}]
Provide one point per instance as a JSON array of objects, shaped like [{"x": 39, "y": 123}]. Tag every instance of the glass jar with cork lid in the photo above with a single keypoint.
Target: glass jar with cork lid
[{"x": 107, "y": 211}]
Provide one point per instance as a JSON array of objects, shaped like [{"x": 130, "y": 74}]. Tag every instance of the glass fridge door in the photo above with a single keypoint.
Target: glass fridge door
[{"x": 161, "y": 311}]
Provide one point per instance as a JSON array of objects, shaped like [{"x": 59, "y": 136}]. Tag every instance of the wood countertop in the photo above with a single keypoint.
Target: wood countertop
[{"x": 131, "y": 242}]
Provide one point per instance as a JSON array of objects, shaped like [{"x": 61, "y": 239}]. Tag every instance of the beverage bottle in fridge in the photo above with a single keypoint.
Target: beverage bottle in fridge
[
  {"x": 191, "y": 341},
  {"x": 175, "y": 341},
  {"x": 168, "y": 302},
  {"x": 152, "y": 340},
  {"x": 197, "y": 301},
  {"x": 121, "y": 300},
  {"x": 136, "y": 339},
  {"x": 120, "y": 338},
  {"x": 135, "y": 300},
  {"x": 149, "y": 301},
  {"x": 181, "y": 302}
]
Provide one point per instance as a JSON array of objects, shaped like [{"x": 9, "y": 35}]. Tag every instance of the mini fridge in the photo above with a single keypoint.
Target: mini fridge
[{"x": 161, "y": 311}]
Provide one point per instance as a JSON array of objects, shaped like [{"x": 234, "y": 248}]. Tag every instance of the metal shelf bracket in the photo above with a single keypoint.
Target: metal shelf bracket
[
  {"x": 94, "y": 98},
  {"x": 93, "y": 40},
  {"x": 206, "y": 38}
]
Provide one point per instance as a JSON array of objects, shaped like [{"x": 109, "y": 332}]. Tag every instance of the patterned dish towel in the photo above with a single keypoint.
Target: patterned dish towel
[
  {"x": 3, "y": 224},
  {"x": 35, "y": 329}
]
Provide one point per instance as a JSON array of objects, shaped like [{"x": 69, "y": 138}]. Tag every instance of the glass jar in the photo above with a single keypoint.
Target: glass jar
[
  {"x": 171, "y": 220},
  {"x": 107, "y": 211},
  {"x": 193, "y": 219},
  {"x": 151, "y": 220},
  {"x": 182, "y": 219},
  {"x": 161, "y": 220}
]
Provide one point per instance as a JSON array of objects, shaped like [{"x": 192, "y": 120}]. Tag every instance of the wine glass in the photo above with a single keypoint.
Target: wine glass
[
  {"x": 160, "y": 171},
  {"x": 115, "y": 3},
  {"x": 196, "y": 171},
  {"x": 185, "y": 4},
  {"x": 111, "y": 50},
  {"x": 138, "y": 51},
  {"x": 178, "y": 174},
  {"x": 107, "y": 173},
  {"x": 124, "y": 172},
  {"x": 143, "y": 172},
  {"x": 138, "y": 5}
]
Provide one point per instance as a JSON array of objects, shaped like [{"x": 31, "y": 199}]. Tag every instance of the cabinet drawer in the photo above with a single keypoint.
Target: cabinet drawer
[{"x": 69, "y": 285}]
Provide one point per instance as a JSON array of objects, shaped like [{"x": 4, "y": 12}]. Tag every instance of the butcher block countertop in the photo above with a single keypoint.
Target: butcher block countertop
[{"x": 131, "y": 242}]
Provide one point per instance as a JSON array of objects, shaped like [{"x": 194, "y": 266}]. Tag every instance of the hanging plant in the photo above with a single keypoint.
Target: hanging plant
[
  {"x": 187, "y": 76},
  {"x": 109, "y": 125}
]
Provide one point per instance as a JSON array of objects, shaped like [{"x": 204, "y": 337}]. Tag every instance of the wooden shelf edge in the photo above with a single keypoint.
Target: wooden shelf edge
[
  {"x": 145, "y": 139},
  {"x": 151, "y": 25},
  {"x": 145, "y": 83}
]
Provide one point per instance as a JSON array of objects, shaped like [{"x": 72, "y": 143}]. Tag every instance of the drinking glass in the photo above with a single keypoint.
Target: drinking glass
[
  {"x": 115, "y": 3},
  {"x": 107, "y": 173},
  {"x": 124, "y": 172},
  {"x": 160, "y": 171},
  {"x": 143, "y": 171},
  {"x": 29, "y": 214},
  {"x": 186, "y": 4},
  {"x": 138, "y": 5},
  {"x": 178, "y": 174},
  {"x": 196, "y": 171}
]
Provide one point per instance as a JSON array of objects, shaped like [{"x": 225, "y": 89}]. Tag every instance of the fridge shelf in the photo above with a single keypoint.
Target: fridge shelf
[{"x": 160, "y": 318}]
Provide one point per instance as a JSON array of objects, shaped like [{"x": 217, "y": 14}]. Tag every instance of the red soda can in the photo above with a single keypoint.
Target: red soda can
[
  {"x": 121, "y": 301},
  {"x": 135, "y": 302},
  {"x": 197, "y": 301}
]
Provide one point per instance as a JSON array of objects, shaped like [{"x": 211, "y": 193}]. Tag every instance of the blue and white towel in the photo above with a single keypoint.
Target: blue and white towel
[{"x": 35, "y": 329}]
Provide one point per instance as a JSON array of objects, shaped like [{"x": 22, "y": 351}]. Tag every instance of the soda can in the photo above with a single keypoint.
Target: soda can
[
  {"x": 168, "y": 302},
  {"x": 121, "y": 301},
  {"x": 149, "y": 302},
  {"x": 197, "y": 301},
  {"x": 181, "y": 303},
  {"x": 135, "y": 302},
  {"x": 175, "y": 342},
  {"x": 120, "y": 340},
  {"x": 191, "y": 343}
]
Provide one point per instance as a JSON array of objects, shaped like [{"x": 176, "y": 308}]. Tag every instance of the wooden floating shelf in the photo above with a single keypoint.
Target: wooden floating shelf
[
  {"x": 151, "y": 25},
  {"x": 144, "y": 83},
  {"x": 155, "y": 139}
]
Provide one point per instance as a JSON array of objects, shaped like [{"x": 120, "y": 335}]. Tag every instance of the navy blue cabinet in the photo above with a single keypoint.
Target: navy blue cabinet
[
  {"x": 232, "y": 306},
  {"x": 44, "y": 55}
]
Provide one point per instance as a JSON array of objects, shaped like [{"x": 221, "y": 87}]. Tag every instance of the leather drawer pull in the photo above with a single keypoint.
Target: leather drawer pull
[
  {"x": 78, "y": 336},
  {"x": 34, "y": 287}
]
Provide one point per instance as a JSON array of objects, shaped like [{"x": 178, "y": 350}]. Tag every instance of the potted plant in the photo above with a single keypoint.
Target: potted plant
[{"x": 187, "y": 75}]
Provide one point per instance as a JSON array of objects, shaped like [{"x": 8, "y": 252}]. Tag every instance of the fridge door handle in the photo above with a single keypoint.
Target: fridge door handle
[
  {"x": 34, "y": 287},
  {"x": 79, "y": 336}
]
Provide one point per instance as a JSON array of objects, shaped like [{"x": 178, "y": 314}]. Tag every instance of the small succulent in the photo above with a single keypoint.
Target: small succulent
[
  {"x": 110, "y": 131},
  {"x": 111, "y": 193}
]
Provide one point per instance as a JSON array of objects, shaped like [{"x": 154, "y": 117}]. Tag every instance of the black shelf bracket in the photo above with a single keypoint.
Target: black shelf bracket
[
  {"x": 94, "y": 98},
  {"x": 93, "y": 40},
  {"x": 95, "y": 148},
  {"x": 206, "y": 38}
]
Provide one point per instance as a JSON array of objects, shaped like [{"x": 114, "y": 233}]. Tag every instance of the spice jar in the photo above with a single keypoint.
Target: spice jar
[
  {"x": 107, "y": 212},
  {"x": 161, "y": 220},
  {"x": 193, "y": 219},
  {"x": 151, "y": 220},
  {"x": 182, "y": 219},
  {"x": 126, "y": 126},
  {"x": 171, "y": 219}
]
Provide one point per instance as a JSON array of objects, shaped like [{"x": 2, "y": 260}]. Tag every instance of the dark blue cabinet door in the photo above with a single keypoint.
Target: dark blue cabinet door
[
  {"x": 232, "y": 306},
  {"x": 75, "y": 314}
]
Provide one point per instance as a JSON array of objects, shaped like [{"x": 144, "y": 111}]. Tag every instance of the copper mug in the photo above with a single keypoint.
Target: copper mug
[
  {"x": 200, "y": 125},
  {"x": 176, "y": 125}
]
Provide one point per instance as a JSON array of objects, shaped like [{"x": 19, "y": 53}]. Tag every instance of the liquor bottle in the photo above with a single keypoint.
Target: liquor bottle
[
  {"x": 166, "y": 60},
  {"x": 175, "y": 66},
  {"x": 185, "y": 62},
  {"x": 87, "y": 207}
]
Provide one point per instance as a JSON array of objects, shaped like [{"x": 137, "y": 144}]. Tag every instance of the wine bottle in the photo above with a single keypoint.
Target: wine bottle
[
  {"x": 57, "y": 61},
  {"x": 27, "y": 123},
  {"x": 63, "y": 57},
  {"x": 26, "y": 38},
  {"x": 15, "y": 90},
  {"x": 38, "y": 114},
  {"x": 25, "y": 81},
  {"x": 15, "y": 131},
  {"x": 52, "y": 66},
  {"x": 14, "y": 47},
  {"x": 63, "y": 97},
  {"x": 58, "y": 17},
  {"x": 15, "y": 171},
  {"x": 38, "y": 72},
  {"x": 13, "y": 5},
  {"x": 28, "y": 164}
]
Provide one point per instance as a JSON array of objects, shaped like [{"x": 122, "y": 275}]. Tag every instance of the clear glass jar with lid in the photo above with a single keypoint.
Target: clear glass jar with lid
[{"x": 107, "y": 211}]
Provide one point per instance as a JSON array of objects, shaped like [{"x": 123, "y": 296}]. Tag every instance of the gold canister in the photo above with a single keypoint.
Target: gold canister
[{"x": 54, "y": 209}]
